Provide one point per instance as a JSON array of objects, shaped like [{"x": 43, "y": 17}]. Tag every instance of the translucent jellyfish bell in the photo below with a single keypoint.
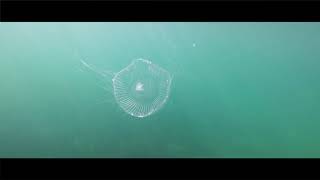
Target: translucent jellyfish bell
[{"x": 141, "y": 88}]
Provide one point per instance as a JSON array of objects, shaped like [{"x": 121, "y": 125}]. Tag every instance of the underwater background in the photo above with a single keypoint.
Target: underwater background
[{"x": 238, "y": 90}]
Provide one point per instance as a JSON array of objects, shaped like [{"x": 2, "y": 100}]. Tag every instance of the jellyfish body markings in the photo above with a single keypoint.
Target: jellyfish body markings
[{"x": 141, "y": 88}]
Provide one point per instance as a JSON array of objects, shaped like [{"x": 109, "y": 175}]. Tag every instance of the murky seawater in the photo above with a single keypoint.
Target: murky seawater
[{"x": 238, "y": 90}]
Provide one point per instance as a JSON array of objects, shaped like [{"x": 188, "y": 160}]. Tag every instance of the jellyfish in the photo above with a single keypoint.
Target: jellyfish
[{"x": 141, "y": 88}]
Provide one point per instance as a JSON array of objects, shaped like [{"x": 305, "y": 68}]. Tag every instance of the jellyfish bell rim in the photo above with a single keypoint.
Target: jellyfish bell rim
[{"x": 141, "y": 59}]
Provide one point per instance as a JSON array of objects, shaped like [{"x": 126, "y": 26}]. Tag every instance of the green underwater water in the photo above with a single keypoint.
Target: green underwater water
[{"x": 238, "y": 90}]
